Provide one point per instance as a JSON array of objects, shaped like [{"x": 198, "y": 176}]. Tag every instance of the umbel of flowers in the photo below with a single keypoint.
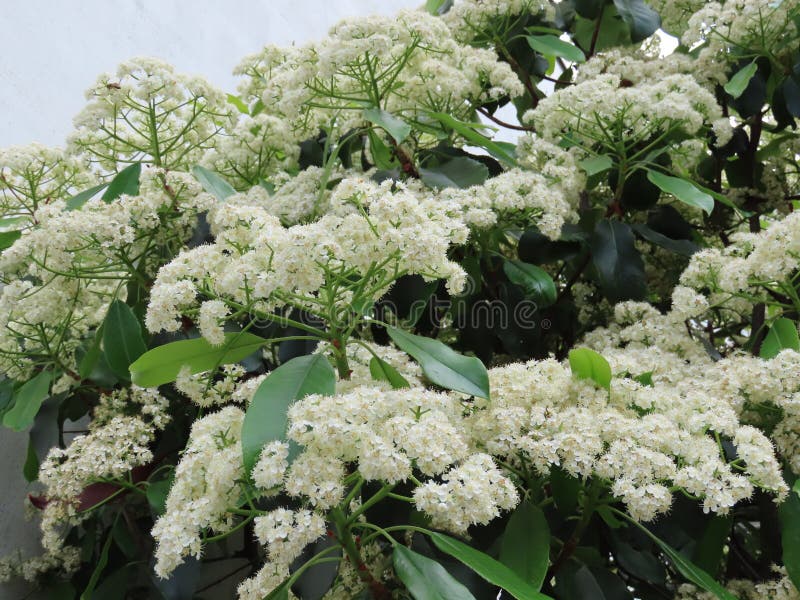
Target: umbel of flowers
[{"x": 337, "y": 338}]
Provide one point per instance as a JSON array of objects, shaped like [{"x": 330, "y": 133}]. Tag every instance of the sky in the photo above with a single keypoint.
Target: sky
[{"x": 51, "y": 51}]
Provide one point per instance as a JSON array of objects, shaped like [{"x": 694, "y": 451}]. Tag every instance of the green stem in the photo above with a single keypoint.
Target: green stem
[
  {"x": 379, "y": 495},
  {"x": 345, "y": 538}
]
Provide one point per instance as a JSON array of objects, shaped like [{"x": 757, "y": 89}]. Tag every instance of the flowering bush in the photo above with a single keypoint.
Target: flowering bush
[{"x": 337, "y": 336}]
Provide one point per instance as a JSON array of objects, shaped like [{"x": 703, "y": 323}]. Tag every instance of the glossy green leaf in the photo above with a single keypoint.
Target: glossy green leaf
[
  {"x": 7, "y": 238},
  {"x": 642, "y": 20},
  {"x": 588, "y": 364},
  {"x": 738, "y": 83},
  {"x": 382, "y": 155},
  {"x": 239, "y": 104},
  {"x": 30, "y": 469},
  {"x": 681, "y": 247},
  {"x": 618, "y": 263},
  {"x": 281, "y": 592},
  {"x": 550, "y": 45},
  {"x": 442, "y": 365},
  {"x": 126, "y": 182},
  {"x": 90, "y": 359},
  {"x": 525, "y": 546},
  {"x": 425, "y": 578},
  {"x": 435, "y": 7},
  {"x": 565, "y": 488},
  {"x": 484, "y": 565},
  {"x": 683, "y": 190},
  {"x": 102, "y": 561},
  {"x": 458, "y": 172},
  {"x": 613, "y": 30},
  {"x": 642, "y": 564},
  {"x": 467, "y": 131},
  {"x": 781, "y": 336},
  {"x": 157, "y": 492},
  {"x": 596, "y": 164},
  {"x": 536, "y": 282},
  {"x": 394, "y": 126},
  {"x": 683, "y": 565},
  {"x": 789, "y": 513},
  {"x": 213, "y": 183},
  {"x": 83, "y": 197},
  {"x": 266, "y": 417},
  {"x": 383, "y": 371},
  {"x": 162, "y": 364},
  {"x": 122, "y": 338},
  {"x": 710, "y": 548},
  {"x": 27, "y": 401}
]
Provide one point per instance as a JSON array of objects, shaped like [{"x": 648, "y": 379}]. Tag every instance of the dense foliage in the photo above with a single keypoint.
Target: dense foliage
[{"x": 338, "y": 339}]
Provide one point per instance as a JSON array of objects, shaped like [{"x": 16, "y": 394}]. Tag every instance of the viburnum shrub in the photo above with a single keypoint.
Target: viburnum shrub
[{"x": 337, "y": 339}]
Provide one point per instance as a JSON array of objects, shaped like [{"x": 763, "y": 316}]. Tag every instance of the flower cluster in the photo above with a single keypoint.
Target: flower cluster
[
  {"x": 407, "y": 63},
  {"x": 370, "y": 237},
  {"x": 203, "y": 490},
  {"x": 62, "y": 274},
  {"x": 146, "y": 112},
  {"x": 589, "y": 110},
  {"x": 36, "y": 175}
]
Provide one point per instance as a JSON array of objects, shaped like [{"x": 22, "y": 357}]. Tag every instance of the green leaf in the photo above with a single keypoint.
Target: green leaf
[
  {"x": 394, "y": 126},
  {"x": 27, "y": 401},
  {"x": 458, "y": 172},
  {"x": 642, "y": 564},
  {"x": 536, "y": 282},
  {"x": 588, "y": 364},
  {"x": 619, "y": 264},
  {"x": 681, "y": 247},
  {"x": 92, "y": 357},
  {"x": 789, "y": 513},
  {"x": 484, "y": 565},
  {"x": 565, "y": 488},
  {"x": 684, "y": 566},
  {"x": 738, "y": 83},
  {"x": 83, "y": 197},
  {"x": 383, "y": 371},
  {"x": 550, "y": 45},
  {"x": 122, "y": 338},
  {"x": 683, "y": 190},
  {"x": 588, "y": 9},
  {"x": 239, "y": 104},
  {"x": 30, "y": 470},
  {"x": 442, "y": 365},
  {"x": 608, "y": 517},
  {"x": 613, "y": 30},
  {"x": 781, "y": 336},
  {"x": 425, "y": 578},
  {"x": 435, "y": 7},
  {"x": 525, "y": 547},
  {"x": 102, "y": 561},
  {"x": 162, "y": 364},
  {"x": 213, "y": 183},
  {"x": 266, "y": 417},
  {"x": 7, "y": 239},
  {"x": 596, "y": 164},
  {"x": 467, "y": 131},
  {"x": 382, "y": 155},
  {"x": 126, "y": 182},
  {"x": 642, "y": 20},
  {"x": 710, "y": 546},
  {"x": 157, "y": 492}
]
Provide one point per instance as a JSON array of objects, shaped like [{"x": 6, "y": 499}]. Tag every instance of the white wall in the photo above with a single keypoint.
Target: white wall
[{"x": 52, "y": 50}]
